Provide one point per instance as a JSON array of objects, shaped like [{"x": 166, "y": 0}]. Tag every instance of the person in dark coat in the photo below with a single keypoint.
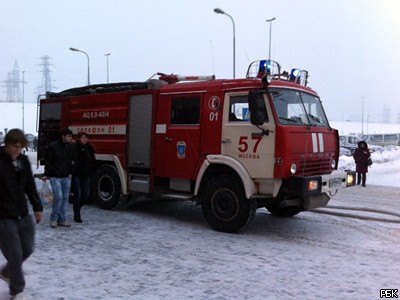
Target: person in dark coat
[
  {"x": 84, "y": 166},
  {"x": 361, "y": 156},
  {"x": 17, "y": 230},
  {"x": 35, "y": 142},
  {"x": 58, "y": 168}
]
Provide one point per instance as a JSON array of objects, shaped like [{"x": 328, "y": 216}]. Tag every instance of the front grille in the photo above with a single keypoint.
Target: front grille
[{"x": 317, "y": 166}]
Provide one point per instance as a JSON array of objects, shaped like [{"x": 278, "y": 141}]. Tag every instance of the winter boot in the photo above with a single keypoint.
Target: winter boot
[{"x": 77, "y": 218}]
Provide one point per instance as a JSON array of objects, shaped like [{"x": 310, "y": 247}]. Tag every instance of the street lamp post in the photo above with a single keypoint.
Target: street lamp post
[
  {"x": 107, "y": 55},
  {"x": 23, "y": 101},
  {"x": 220, "y": 11},
  {"x": 362, "y": 115},
  {"x": 88, "y": 62},
  {"x": 270, "y": 34}
]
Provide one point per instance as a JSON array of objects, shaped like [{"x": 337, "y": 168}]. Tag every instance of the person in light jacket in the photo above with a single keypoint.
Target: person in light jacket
[{"x": 361, "y": 156}]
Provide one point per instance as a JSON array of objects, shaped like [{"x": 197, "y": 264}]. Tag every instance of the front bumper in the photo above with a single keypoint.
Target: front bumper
[
  {"x": 333, "y": 182},
  {"x": 315, "y": 185}
]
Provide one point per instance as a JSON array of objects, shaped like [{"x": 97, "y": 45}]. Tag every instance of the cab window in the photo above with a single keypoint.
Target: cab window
[
  {"x": 298, "y": 108},
  {"x": 185, "y": 111},
  {"x": 239, "y": 109}
]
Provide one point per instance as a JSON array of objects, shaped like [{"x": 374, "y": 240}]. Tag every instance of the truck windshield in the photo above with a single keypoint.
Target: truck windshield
[{"x": 298, "y": 108}]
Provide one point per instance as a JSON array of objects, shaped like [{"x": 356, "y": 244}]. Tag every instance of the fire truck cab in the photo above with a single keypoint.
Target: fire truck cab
[{"x": 231, "y": 145}]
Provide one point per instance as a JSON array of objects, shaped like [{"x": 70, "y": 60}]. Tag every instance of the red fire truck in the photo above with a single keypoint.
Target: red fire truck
[{"x": 231, "y": 145}]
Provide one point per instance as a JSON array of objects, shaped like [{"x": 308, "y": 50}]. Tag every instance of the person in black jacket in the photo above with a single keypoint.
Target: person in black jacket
[
  {"x": 361, "y": 156},
  {"x": 58, "y": 168},
  {"x": 17, "y": 230},
  {"x": 84, "y": 165}
]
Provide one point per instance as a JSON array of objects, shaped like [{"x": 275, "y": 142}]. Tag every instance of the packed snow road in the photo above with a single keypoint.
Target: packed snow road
[{"x": 165, "y": 250}]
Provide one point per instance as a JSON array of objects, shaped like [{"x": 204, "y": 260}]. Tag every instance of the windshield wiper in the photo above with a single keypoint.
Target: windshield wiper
[
  {"x": 314, "y": 118},
  {"x": 287, "y": 119},
  {"x": 294, "y": 119}
]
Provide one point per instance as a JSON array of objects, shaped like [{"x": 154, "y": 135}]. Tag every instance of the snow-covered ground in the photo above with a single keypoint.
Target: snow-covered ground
[{"x": 165, "y": 250}]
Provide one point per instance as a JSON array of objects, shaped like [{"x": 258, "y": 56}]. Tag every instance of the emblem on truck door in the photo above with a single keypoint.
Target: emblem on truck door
[
  {"x": 180, "y": 149},
  {"x": 214, "y": 103}
]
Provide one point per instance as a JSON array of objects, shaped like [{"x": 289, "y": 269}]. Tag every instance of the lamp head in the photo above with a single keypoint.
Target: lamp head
[
  {"x": 219, "y": 11},
  {"x": 73, "y": 49}
]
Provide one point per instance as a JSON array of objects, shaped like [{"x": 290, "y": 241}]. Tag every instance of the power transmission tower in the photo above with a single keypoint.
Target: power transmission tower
[
  {"x": 46, "y": 85},
  {"x": 12, "y": 85}
]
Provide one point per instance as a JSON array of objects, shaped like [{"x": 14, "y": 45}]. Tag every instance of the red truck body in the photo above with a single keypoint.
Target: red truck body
[{"x": 200, "y": 140}]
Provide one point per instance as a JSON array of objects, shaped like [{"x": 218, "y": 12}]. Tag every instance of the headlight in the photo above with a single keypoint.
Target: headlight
[
  {"x": 267, "y": 79},
  {"x": 313, "y": 185},
  {"x": 350, "y": 179},
  {"x": 333, "y": 163},
  {"x": 293, "y": 168}
]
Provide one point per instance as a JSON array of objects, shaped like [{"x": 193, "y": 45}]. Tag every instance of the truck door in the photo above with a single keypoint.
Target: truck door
[
  {"x": 140, "y": 142},
  {"x": 244, "y": 141},
  {"x": 178, "y": 135},
  {"x": 49, "y": 125}
]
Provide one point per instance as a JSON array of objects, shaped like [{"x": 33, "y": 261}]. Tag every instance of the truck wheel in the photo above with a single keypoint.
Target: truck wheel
[
  {"x": 225, "y": 206},
  {"x": 107, "y": 187},
  {"x": 289, "y": 211}
]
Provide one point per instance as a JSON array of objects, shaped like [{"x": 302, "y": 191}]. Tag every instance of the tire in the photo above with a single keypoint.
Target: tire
[
  {"x": 107, "y": 187},
  {"x": 286, "y": 212},
  {"x": 225, "y": 206}
]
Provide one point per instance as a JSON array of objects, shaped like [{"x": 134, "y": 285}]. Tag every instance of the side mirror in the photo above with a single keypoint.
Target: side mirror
[{"x": 256, "y": 107}]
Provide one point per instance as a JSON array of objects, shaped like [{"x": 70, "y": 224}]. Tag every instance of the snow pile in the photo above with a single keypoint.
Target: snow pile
[{"x": 390, "y": 154}]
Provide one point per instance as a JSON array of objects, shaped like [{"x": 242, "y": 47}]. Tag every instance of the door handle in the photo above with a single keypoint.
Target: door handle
[
  {"x": 226, "y": 141},
  {"x": 167, "y": 139}
]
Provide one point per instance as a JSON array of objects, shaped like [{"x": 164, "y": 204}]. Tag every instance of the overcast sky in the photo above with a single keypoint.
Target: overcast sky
[{"x": 351, "y": 48}]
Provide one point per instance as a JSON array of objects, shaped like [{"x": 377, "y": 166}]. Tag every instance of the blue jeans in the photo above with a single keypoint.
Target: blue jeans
[
  {"x": 81, "y": 193},
  {"x": 61, "y": 188}
]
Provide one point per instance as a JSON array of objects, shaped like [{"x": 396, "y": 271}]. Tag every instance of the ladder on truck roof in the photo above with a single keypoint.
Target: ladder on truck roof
[
  {"x": 127, "y": 86},
  {"x": 99, "y": 89}
]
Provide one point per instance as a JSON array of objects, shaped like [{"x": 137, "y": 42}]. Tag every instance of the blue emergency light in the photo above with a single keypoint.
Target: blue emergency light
[
  {"x": 299, "y": 76},
  {"x": 294, "y": 74},
  {"x": 265, "y": 66},
  {"x": 260, "y": 68}
]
